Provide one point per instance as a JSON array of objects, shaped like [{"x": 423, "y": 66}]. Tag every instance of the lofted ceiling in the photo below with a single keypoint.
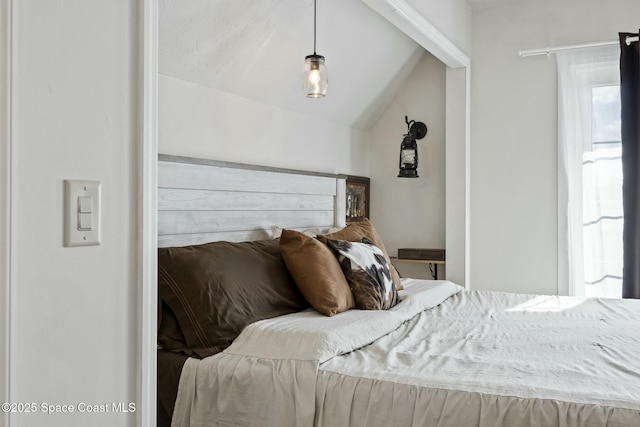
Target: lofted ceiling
[
  {"x": 483, "y": 4},
  {"x": 256, "y": 49}
]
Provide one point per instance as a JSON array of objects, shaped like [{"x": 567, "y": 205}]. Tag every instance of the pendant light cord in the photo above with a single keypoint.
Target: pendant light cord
[{"x": 314, "y": 27}]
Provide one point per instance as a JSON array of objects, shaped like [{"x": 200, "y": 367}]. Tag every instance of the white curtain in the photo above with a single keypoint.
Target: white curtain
[{"x": 584, "y": 226}]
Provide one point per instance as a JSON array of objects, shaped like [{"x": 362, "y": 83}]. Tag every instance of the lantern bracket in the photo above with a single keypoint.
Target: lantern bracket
[{"x": 417, "y": 130}]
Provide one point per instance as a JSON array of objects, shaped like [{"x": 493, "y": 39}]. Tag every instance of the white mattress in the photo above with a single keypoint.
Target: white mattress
[{"x": 479, "y": 358}]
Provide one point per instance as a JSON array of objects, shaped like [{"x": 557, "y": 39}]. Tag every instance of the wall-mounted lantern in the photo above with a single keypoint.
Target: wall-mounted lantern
[{"x": 409, "y": 148}]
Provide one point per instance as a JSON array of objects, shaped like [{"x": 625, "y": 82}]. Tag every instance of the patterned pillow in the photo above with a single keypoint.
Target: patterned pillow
[
  {"x": 354, "y": 232},
  {"x": 367, "y": 272}
]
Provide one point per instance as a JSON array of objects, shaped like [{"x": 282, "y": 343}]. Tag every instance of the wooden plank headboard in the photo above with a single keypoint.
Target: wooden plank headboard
[{"x": 204, "y": 200}]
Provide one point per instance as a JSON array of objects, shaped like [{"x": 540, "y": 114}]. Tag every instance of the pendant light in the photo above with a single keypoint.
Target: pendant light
[{"x": 315, "y": 79}]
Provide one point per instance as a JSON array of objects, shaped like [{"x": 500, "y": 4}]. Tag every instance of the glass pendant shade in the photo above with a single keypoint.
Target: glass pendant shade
[{"x": 315, "y": 78}]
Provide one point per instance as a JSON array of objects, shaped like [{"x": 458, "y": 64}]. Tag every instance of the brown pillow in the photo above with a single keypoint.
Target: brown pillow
[
  {"x": 354, "y": 232},
  {"x": 317, "y": 273},
  {"x": 170, "y": 336},
  {"x": 216, "y": 289}
]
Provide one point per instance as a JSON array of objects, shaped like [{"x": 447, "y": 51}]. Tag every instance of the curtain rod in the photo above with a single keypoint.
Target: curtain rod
[{"x": 549, "y": 50}]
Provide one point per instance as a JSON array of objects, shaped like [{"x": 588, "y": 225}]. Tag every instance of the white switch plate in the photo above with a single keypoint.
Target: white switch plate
[{"x": 73, "y": 189}]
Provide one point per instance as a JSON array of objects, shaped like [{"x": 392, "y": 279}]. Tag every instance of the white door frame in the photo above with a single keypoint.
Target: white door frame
[
  {"x": 7, "y": 200},
  {"x": 403, "y": 16},
  {"x": 147, "y": 212}
]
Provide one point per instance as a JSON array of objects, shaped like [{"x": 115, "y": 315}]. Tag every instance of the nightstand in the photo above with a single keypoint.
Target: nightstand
[{"x": 431, "y": 263}]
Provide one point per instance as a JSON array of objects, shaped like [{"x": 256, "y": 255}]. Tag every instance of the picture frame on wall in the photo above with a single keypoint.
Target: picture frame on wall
[{"x": 357, "y": 198}]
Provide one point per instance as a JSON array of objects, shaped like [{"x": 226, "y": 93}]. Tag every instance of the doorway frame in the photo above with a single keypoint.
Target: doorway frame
[
  {"x": 8, "y": 201},
  {"x": 458, "y": 104},
  {"x": 147, "y": 212}
]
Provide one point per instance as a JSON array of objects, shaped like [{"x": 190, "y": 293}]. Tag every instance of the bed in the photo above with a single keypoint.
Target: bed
[{"x": 253, "y": 347}]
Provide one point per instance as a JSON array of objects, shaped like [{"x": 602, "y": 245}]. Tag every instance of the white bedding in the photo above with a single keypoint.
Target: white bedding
[{"x": 479, "y": 358}]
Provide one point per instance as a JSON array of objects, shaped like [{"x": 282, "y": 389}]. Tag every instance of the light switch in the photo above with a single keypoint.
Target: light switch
[
  {"x": 82, "y": 213},
  {"x": 84, "y": 221},
  {"x": 85, "y": 204}
]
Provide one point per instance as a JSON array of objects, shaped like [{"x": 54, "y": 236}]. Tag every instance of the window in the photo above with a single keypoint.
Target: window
[
  {"x": 602, "y": 196},
  {"x": 589, "y": 173}
]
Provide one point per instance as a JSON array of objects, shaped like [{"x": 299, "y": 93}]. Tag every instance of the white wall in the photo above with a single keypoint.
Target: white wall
[
  {"x": 452, "y": 18},
  {"x": 76, "y": 323},
  {"x": 514, "y": 129},
  {"x": 439, "y": 27},
  {"x": 410, "y": 213},
  {"x": 200, "y": 121}
]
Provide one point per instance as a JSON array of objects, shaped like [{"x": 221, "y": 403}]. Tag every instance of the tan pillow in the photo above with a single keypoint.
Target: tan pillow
[
  {"x": 354, "y": 232},
  {"x": 317, "y": 273}
]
